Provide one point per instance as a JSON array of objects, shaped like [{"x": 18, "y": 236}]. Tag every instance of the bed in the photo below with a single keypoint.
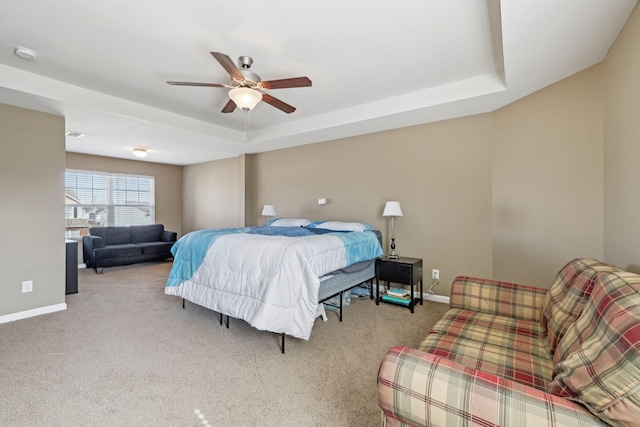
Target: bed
[{"x": 273, "y": 277}]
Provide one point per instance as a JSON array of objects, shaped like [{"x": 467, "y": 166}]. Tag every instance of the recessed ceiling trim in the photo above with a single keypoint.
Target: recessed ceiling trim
[
  {"x": 361, "y": 88},
  {"x": 34, "y": 84}
]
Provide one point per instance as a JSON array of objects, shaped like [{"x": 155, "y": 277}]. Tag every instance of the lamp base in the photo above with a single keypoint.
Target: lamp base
[{"x": 393, "y": 254}]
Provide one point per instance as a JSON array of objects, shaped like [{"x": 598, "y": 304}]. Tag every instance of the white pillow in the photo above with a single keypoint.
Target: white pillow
[
  {"x": 344, "y": 226},
  {"x": 289, "y": 222}
]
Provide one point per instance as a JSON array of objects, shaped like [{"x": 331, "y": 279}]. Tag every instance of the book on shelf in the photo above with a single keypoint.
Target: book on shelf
[
  {"x": 397, "y": 292},
  {"x": 404, "y": 300}
]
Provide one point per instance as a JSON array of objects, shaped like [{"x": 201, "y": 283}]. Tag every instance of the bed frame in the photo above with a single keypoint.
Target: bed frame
[{"x": 330, "y": 287}]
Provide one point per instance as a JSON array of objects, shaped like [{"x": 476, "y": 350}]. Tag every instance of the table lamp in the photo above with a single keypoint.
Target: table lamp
[
  {"x": 268, "y": 211},
  {"x": 392, "y": 209}
]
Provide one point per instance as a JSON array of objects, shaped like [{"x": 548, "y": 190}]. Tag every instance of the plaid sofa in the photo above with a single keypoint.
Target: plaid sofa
[{"x": 513, "y": 355}]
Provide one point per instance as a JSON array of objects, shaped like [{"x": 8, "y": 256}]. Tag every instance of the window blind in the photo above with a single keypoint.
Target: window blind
[{"x": 102, "y": 199}]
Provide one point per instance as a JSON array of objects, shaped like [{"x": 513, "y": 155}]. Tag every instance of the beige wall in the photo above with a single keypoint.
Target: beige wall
[
  {"x": 214, "y": 194},
  {"x": 168, "y": 183},
  {"x": 511, "y": 195},
  {"x": 548, "y": 180},
  {"x": 622, "y": 148},
  {"x": 537, "y": 164},
  {"x": 440, "y": 173},
  {"x": 32, "y": 215}
]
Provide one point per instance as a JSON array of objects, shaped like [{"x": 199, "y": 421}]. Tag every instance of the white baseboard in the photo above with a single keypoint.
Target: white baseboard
[
  {"x": 32, "y": 313},
  {"x": 438, "y": 298},
  {"x": 81, "y": 266}
]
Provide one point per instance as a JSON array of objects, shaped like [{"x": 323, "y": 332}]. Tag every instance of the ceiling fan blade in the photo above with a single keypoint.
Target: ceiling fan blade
[
  {"x": 287, "y": 83},
  {"x": 195, "y": 84},
  {"x": 277, "y": 103},
  {"x": 229, "y": 107},
  {"x": 228, "y": 65}
]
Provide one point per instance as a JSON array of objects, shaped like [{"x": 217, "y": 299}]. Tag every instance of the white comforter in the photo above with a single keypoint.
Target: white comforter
[{"x": 269, "y": 281}]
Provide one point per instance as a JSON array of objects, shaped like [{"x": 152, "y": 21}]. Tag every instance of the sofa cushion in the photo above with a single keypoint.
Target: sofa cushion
[
  {"x": 497, "y": 297},
  {"x": 598, "y": 361},
  {"x": 146, "y": 233},
  {"x": 156, "y": 248},
  {"x": 514, "y": 334},
  {"x": 118, "y": 251},
  {"x": 420, "y": 389},
  {"x": 514, "y": 365},
  {"x": 112, "y": 235},
  {"x": 567, "y": 296}
]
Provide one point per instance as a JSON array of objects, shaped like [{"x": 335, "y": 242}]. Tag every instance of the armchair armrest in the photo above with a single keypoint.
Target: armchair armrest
[
  {"x": 169, "y": 236},
  {"x": 496, "y": 297},
  {"x": 419, "y": 388}
]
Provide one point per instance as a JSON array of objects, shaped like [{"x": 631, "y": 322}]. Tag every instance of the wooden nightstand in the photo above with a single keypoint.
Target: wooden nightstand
[{"x": 404, "y": 271}]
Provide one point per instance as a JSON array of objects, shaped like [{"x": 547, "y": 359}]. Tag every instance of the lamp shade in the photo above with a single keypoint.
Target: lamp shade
[
  {"x": 245, "y": 98},
  {"x": 392, "y": 208},
  {"x": 268, "y": 210}
]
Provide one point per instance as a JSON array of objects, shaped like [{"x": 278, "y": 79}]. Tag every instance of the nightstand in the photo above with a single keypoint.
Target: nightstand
[{"x": 404, "y": 271}]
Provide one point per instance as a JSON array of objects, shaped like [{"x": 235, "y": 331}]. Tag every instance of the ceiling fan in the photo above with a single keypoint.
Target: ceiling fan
[{"x": 247, "y": 89}]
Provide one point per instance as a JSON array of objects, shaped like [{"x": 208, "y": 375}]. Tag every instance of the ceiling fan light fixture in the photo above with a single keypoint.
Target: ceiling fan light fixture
[
  {"x": 140, "y": 152},
  {"x": 245, "y": 98}
]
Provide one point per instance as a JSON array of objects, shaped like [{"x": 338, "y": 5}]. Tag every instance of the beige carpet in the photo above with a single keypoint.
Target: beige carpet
[{"x": 125, "y": 354}]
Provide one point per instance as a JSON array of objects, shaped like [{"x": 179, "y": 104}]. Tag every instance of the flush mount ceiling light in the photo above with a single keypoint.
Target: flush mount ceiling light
[
  {"x": 245, "y": 98},
  {"x": 26, "y": 53},
  {"x": 140, "y": 152},
  {"x": 74, "y": 134}
]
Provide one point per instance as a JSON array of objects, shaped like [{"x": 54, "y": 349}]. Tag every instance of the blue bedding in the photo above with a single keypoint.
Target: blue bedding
[{"x": 199, "y": 242}]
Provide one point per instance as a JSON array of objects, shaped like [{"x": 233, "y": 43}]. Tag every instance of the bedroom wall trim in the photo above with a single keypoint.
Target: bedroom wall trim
[
  {"x": 33, "y": 313},
  {"x": 437, "y": 298}
]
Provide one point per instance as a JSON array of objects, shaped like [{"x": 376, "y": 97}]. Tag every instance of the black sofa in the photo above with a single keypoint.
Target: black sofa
[{"x": 111, "y": 246}]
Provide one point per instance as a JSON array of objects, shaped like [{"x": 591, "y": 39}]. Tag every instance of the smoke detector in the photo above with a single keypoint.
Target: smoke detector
[{"x": 26, "y": 53}]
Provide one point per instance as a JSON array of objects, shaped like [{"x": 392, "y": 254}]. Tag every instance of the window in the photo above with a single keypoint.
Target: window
[{"x": 102, "y": 199}]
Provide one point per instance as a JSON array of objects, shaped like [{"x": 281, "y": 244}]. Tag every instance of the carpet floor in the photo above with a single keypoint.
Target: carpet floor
[{"x": 126, "y": 354}]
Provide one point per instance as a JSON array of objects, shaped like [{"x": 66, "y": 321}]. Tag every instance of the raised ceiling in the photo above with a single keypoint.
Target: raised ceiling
[{"x": 374, "y": 66}]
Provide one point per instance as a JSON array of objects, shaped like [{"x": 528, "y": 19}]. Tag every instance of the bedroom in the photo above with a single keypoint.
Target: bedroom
[{"x": 510, "y": 194}]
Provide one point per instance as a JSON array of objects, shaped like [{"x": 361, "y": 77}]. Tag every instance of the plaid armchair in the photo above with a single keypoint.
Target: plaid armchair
[{"x": 514, "y": 355}]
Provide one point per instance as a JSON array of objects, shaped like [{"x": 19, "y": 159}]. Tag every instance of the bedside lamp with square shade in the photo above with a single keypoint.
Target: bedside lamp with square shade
[
  {"x": 392, "y": 209},
  {"x": 268, "y": 211}
]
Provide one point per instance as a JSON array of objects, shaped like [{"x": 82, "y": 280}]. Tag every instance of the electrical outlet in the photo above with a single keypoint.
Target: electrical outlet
[
  {"x": 435, "y": 274},
  {"x": 27, "y": 286}
]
